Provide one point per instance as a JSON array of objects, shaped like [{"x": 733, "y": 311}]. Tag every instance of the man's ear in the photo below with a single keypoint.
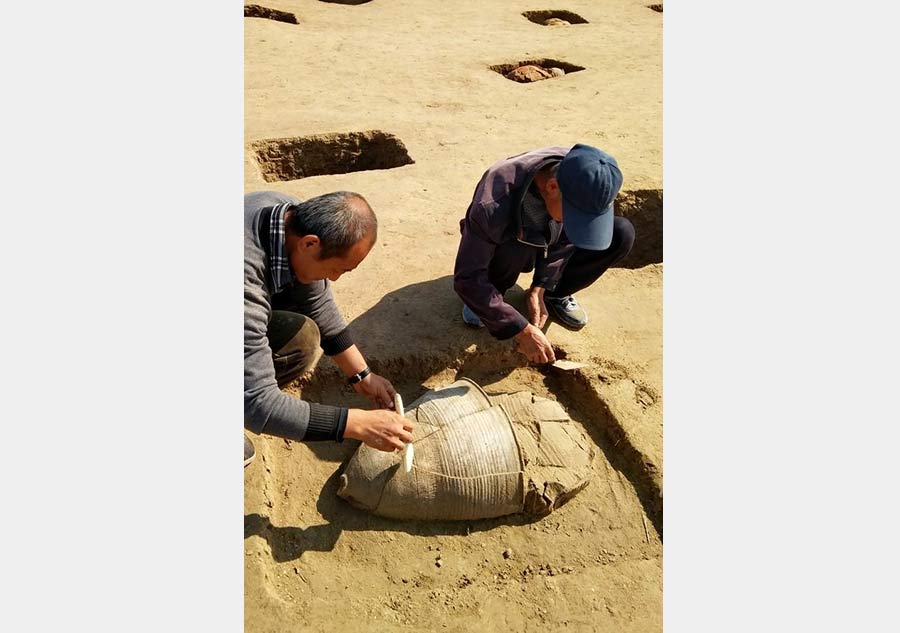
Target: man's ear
[
  {"x": 553, "y": 186},
  {"x": 309, "y": 241}
]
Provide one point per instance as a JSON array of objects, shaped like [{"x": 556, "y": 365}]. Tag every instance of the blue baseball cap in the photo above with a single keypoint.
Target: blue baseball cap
[{"x": 589, "y": 181}]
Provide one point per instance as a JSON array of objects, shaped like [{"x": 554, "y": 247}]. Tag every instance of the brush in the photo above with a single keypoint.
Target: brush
[{"x": 408, "y": 451}]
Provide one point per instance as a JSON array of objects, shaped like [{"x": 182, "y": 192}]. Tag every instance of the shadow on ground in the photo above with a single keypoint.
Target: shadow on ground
[
  {"x": 289, "y": 543},
  {"x": 412, "y": 334}
]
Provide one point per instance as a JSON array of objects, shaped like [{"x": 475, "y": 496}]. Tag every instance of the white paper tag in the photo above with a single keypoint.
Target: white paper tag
[{"x": 568, "y": 365}]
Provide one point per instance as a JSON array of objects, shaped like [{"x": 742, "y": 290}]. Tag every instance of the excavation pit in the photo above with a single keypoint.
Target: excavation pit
[
  {"x": 323, "y": 154},
  {"x": 351, "y": 2},
  {"x": 656, "y": 7},
  {"x": 644, "y": 208},
  {"x": 296, "y": 528},
  {"x": 531, "y": 70},
  {"x": 550, "y": 17},
  {"x": 497, "y": 373},
  {"x": 257, "y": 11}
]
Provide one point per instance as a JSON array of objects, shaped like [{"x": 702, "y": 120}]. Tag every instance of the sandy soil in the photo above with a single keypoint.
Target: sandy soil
[{"x": 419, "y": 71}]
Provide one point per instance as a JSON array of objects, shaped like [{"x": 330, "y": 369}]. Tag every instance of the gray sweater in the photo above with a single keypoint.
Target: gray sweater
[{"x": 266, "y": 408}]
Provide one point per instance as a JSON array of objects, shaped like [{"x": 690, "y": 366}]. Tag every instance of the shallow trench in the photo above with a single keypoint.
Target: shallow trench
[
  {"x": 573, "y": 389},
  {"x": 299, "y": 157},
  {"x": 541, "y": 16},
  {"x": 644, "y": 208},
  {"x": 257, "y": 11},
  {"x": 595, "y": 559},
  {"x": 545, "y": 63}
]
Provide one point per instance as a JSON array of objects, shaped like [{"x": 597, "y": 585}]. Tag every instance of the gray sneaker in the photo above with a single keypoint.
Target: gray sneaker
[
  {"x": 249, "y": 451},
  {"x": 470, "y": 318},
  {"x": 567, "y": 311}
]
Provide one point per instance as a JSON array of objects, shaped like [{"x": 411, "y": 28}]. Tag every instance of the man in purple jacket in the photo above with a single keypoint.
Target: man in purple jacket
[{"x": 550, "y": 211}]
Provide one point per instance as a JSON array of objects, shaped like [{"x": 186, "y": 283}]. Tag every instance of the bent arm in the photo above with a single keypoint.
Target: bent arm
[
  {"x": 472, "y": 284},
  {"x": 267, "y": 409}
]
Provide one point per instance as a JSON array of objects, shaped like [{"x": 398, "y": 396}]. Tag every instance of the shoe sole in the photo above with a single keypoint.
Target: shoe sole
[{"x": 249, "y": 460}]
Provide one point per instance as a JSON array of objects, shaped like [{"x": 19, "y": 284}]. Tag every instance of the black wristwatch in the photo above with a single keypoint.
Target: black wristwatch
[{"x": 356, "y": 378}]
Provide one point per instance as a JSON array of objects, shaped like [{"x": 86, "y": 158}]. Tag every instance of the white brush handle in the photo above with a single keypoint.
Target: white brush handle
[{"x": 408, "y": 451}]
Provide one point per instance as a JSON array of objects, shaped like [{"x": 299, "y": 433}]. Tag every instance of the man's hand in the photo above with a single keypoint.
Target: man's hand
[
  {"x": 537, "y": 309},
  {"x": 377, "y": 389},
  {"x": 383, "y": 430},
  {"x": 532, "y": 342}
]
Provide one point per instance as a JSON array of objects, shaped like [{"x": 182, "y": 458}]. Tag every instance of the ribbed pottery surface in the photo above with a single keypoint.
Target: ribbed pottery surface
[{"x": 472, "y": 456}]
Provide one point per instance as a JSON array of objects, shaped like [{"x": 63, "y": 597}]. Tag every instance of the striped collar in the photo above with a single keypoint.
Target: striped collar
[
  {"x": 279, "y": 262},
  {"x": 535, "y": 217}
]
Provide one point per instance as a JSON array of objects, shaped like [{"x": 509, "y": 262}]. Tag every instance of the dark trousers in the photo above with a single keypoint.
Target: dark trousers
[
  {"x": 294, "y": 340},
  {"x": 583, "y": 268}
]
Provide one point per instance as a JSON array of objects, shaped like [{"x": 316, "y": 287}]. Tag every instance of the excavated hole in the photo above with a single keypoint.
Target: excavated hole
[
  {"x": 300, "y": 157},
  {"x": 544, "y": 69},
  {"x": 644, "y": 207},
  {"x": 541, "y": 17},
  {"x": 655, "y": 7},
  {"x": 256, "y": 11},
  {"x": 414, "y": 376},
  {"x": 346, "y": 1},
  {"x": 614, "y": 521}
]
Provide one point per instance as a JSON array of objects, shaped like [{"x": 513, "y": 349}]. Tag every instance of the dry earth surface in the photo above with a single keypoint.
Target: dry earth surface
[{"x": 405, "y": 91}]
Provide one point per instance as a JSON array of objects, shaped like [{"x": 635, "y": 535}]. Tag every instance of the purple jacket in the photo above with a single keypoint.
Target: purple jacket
[{"x": 494, "y": 218}]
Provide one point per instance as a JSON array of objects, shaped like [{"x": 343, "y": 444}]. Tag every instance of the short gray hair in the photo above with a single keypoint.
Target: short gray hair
[{"x": 339, "y": 219}]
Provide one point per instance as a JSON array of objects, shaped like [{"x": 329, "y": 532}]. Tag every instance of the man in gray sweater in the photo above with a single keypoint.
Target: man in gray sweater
[{"x": 293, "y": 250}]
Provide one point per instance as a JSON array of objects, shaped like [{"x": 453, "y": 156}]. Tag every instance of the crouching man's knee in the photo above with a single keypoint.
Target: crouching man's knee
[
  {"x": 623, "y": 236},
  {"x": 295, "y": 342}
]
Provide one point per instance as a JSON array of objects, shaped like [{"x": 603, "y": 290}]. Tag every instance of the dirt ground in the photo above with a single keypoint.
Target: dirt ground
[{"x": 418, "y": 73}]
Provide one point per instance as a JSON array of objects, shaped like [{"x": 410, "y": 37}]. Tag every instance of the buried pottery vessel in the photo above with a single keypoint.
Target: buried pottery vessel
[{"x": 476, "y": 456}]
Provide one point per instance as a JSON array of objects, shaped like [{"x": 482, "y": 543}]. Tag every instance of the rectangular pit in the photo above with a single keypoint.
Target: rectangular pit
[
  {"x": 257, "y": 11},
  {"x": 544, "y": 63},
  {"x": 541, "y": 17},
  {"x": 497, "y": 372},
  {"x": 322, "y": 154},
  {"x": 644, "y": 208},
  {"x": 301, "y": 539}
]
